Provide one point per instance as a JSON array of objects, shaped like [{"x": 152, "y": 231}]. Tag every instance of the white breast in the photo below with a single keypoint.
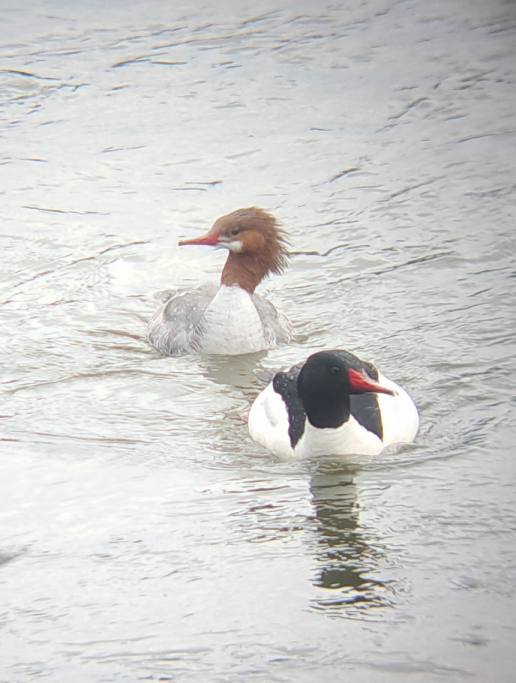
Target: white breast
[
  {"x": 231, "y": 324},
  {"x": 350, "y": 438}
]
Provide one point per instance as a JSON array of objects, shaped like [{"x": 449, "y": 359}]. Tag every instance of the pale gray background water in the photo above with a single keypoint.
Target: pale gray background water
[{"x": 143, "y": 536}]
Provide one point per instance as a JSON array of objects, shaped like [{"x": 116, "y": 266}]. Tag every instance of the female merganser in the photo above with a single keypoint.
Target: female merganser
[
  {"x": 332, "y": 404},
  {"x": 228, "y": 319}
]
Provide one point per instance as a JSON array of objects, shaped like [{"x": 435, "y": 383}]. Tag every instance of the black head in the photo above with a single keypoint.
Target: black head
[{"x": 327, "y": 380}]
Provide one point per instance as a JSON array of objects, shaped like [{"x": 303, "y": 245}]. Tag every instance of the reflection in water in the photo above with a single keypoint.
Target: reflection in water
[
  {"x": 8, "y": 555},
  {"x": 236, "y": 371},
  {"x": 345, "y": 558}
]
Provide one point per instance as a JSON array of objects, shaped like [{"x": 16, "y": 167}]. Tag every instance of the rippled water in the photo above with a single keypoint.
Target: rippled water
[{"x": 144, "y": 536}]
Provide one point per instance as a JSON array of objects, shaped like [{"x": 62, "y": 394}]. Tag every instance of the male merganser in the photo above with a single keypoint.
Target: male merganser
[
  {"x": 228, "y": 319},
  {"x": 332, "y": 404}
]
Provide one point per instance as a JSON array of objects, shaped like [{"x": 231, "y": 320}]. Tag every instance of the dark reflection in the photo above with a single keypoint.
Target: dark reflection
[
  {"x": 235, "y": 371},
  {"x": 345, "y": 558},
  {"x": 7, "y": 556}
]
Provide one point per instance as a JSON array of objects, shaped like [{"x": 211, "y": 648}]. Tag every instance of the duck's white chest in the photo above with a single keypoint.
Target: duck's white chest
[
  {"x": 350, "y": 438},
  {"x": 231, "y": 324}
]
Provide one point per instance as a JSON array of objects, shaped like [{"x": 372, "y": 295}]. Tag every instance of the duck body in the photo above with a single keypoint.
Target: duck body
[
  {"x": 333, "y": 404},
  {"x": 229, "y": 318},
  {"x": 217, "y": 319}
]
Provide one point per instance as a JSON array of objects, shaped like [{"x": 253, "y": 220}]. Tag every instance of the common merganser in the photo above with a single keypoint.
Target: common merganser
[
  {"x": 332, "y": 404},
  {"x": 228, "y": 318}
]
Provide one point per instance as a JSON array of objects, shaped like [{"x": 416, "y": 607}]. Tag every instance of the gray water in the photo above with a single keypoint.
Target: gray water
[{"x": 143, "y": 536}]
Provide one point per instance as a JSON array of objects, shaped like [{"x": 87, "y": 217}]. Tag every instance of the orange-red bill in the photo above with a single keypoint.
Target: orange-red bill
[
  {"x": 361, "y": 382},
  {"x": 211, "y": 238}
]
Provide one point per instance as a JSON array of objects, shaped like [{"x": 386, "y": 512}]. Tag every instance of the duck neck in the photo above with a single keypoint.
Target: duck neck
[
  {"x": 323, "y": 413},
  {"x": 244, "y": 270}
]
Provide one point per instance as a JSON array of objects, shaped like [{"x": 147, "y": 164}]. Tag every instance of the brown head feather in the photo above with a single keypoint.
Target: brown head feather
[{"x": 264, "y": 246}]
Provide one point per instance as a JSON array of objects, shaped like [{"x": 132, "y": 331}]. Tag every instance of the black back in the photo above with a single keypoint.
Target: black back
[
  {"x": 364, "y": 407},
  {"x": 366, "y": 411},
  {"x": 285, "y": 384}
]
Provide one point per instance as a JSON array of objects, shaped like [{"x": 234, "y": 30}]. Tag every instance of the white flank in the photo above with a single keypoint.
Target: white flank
[
  {"x": 399, "y": 414},
  {"x": 268, "y": 423}
]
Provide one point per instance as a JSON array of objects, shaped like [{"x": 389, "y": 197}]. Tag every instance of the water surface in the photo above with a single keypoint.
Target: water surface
[{"x": 143, "y": 535}]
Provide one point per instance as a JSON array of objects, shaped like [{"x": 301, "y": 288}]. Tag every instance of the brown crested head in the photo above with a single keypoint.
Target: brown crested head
[
  {"x": 258, "y": 233},
  {"x": 257, "y": 246}
]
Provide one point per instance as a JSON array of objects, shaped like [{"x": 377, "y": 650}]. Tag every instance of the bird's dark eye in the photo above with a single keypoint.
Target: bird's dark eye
[
  {"x": 235, "y": 232},
  {"x": 335, "y": 370}
]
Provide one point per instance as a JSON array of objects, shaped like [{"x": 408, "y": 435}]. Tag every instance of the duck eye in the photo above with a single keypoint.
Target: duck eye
[
  {"x": 235, "y": 232},
  {"x": 335, "y": 370}
]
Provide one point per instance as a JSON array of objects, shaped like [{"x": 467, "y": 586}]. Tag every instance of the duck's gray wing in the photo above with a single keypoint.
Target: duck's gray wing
[
  {"x": 276, "y": 326},
  {"x": 166, "y": 294},
  {"x": 176, "y": 328}
]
